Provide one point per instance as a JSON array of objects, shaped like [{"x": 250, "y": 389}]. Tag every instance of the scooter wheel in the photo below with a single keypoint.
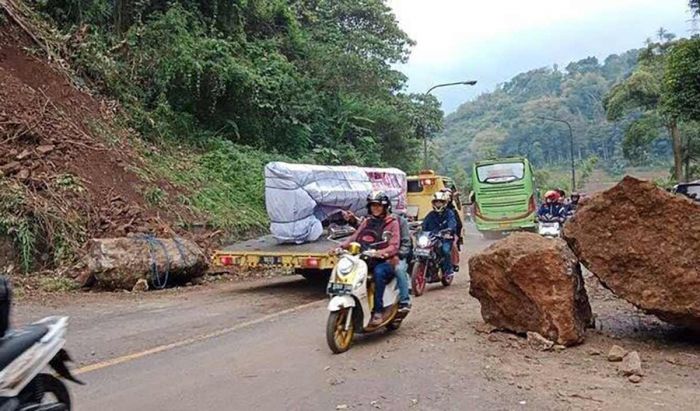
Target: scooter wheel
[
  {"x": 46, "y": 389},
  {"x": 339, "y": 339}
]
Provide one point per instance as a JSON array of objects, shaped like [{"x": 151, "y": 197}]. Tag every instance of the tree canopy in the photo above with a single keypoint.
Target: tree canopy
[
  {"x": 294, "y": 77},
  {"x": 508, "y": 121}
]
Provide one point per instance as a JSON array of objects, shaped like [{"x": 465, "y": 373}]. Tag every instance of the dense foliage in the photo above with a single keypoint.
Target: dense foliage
[
  {"x": 509, "y": 121},
  {"x": 639, "y": 108},
  {"x": 293, "y": 77},
  {"x": 660, "y": 99}
]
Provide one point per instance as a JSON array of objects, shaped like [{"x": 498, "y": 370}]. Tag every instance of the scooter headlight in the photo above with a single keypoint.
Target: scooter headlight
[
  {"x": 345, "y": 266},
  {"x": 423, "y": 241}
]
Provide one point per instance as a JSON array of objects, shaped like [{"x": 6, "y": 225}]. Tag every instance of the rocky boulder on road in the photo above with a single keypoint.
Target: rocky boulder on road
[
  {"x": 529, "y": 283},
  {"x": 644, "y": 245},
  {"x": 120, "y": 263}
]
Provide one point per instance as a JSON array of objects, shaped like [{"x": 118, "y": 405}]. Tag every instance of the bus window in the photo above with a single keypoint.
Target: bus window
[
  {"x": 414, "y": 186},
  {"x": 500, "y": 173}
]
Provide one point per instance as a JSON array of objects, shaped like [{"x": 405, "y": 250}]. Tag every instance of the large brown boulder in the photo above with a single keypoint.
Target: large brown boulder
[
  {"x": 119, "y": 263},
  {"x": 644, "y": 245},
  {"x": 529, "y": 283}
]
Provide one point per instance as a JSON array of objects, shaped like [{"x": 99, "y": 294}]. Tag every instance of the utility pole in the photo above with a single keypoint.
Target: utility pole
[
  {"x": 571, "y": 140},
  {"x": 421, "y": 130}
]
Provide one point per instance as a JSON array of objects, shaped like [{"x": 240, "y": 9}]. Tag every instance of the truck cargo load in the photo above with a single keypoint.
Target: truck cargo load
[{"x": 299, "y": 197}]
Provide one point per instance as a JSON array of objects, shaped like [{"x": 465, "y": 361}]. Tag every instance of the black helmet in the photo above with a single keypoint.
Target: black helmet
[{"x": 378, "y": 197}]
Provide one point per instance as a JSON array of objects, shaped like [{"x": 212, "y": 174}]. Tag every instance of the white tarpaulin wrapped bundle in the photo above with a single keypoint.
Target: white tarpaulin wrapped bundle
[{"x": 298, "y": 197}]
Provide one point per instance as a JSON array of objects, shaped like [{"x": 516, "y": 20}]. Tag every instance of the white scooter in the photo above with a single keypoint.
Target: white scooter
[
  {"x": 549, "y": 227},
  {"x": 352, "y": 295},
  {"x": 25, "y": 353}
]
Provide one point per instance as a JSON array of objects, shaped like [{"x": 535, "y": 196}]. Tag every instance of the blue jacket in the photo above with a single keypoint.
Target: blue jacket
[
  {"x": 435, "y": 222},
  {"x": 554, "y": 209}
]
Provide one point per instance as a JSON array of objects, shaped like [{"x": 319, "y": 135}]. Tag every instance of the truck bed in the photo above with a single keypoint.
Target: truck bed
[
  {"x": 267, "y": 252},
  {"x": 268, "y": 244}
]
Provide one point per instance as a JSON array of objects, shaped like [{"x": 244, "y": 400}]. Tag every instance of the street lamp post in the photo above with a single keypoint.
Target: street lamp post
[
  {"x": 571, "y": 140},
  {"x": 422, "y": 130}
]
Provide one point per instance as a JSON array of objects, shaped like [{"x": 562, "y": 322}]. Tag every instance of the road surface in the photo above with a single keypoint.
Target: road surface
[{"x": 261, "y": 345}]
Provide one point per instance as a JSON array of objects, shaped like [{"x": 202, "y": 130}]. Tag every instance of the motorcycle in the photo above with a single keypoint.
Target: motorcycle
[
  {"x": 549, "y": 226},
  {"x": 352, "y": 294},
  {"x": 427, "y": 261},
  {"x": 24, "y": 354}
]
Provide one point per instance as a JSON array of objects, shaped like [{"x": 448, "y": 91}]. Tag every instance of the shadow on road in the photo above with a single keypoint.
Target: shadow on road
[{"x": 291, "y": 286}]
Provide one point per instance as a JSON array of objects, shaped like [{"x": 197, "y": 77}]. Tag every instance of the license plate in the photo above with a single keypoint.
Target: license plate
[
  {"x": 422, "y": 253},
  {"x": 267, "y": 260},
  {"x": 503, "y": 224},
  {"x": 339, "y": 289}
]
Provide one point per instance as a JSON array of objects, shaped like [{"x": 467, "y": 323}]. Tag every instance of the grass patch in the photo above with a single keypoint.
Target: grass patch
[
  {"x": 223, "y": 182},
  {"x": 155, "y": 196},
  {"x": 42, "y": 223},
  {"x": 57, "y": 284}
]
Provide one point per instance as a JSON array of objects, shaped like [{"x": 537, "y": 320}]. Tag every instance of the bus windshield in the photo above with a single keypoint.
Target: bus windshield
[{"x": 500, "y": 173}]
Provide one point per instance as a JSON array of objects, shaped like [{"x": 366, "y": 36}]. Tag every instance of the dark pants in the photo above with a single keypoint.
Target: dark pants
[
  {"x": 446, "y": 251},
  {"x": 383, "y": 272}
]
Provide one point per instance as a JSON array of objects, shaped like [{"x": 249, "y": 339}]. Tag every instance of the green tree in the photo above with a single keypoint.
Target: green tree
[
  {"x": 644, "y": 90},
  {"x": 682, "y": 79},
  {"x": 311, "y": 79}
]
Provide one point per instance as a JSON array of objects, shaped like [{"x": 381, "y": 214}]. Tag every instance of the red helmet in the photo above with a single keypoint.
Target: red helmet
[{"x": 552, "y": 196}]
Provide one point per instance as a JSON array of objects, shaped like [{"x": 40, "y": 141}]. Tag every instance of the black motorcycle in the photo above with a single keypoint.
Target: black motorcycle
[{"x": 427, "y": 261}]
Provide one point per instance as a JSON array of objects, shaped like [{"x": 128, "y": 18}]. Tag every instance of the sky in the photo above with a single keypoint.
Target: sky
[{"x": 491, "y": 41}]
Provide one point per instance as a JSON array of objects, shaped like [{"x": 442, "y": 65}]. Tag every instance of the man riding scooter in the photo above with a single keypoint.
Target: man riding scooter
[
  {"x": 438, "y": 220},
  {"x": 551, "y": 206},
  {"x": 373, "y": 232},
  {"x": 405, "y": 250}
]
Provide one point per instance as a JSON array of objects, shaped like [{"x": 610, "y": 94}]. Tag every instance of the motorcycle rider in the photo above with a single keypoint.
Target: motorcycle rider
[
  {"x": 405, "y": 251},
  {"x": 460, "y": 226},
  {"x": 442, "y": 218},
  {"x": 385, "y": 257},
  {"x": 401, "y": 269},
  {"x": 551, "y": 206},
  {"x": 572, "y": 204},
  {"x": 575, "y": 198}
]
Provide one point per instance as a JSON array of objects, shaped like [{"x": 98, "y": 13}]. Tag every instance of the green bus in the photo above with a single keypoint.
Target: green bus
[{"x": 504, "y": 195}]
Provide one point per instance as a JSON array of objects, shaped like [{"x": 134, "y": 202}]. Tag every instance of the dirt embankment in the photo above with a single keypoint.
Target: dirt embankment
[{"x": 67, "y": 170}]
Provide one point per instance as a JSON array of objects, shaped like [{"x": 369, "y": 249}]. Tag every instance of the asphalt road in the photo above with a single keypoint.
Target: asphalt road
[{"x": 261, "y": 346}]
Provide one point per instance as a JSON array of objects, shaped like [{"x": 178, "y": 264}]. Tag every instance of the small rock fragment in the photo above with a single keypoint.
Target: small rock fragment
[
  {"x": 23, "y": 174},
  {"x": 538, "y": 342},
  {"x": 341, "y": 407},
  {"x": 10, "y": 168},
  {"x": 45, "y": 149},
  {"x": 635, "y": 379},
  {"x": 484, "y": 328},
  {"x": 616, "y": 353},
  {"x": 593, "y": 352},
  {"x": 631, "y": 365},
  {"x": 24, "y": 154},
  {"x": 140, "y": 286}
]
